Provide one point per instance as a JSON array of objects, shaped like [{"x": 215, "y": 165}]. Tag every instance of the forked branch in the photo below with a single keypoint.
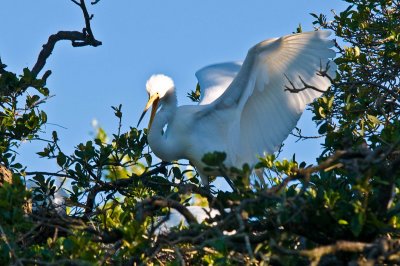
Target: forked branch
[
  {"x": 323, "y": 72},
  {"x": 77, "y": 38}
]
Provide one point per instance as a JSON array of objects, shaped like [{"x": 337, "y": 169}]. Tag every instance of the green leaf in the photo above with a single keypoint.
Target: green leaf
[
  {"x": 44, "y": 91},
  {"x": 321, "y": 112},
  {"x": 148, "y": 158},
  {"x": 43, "y": 116},
  {"x": 61, "y": 159},
  {"x": 27, "y": 75},
  {"x": 68, "y": 244},
  {"x": 323, "y": 128},
  {"x": 54, "y": 135},
  {"x": 39, "y": 178},
  {"x": 44, "y": 153},
  {"x": 117, "y": 110},
  {"x": 214, "y": 158},
  {"x": 32, "y": 100},
  {"x": 195, "y": 95},
  {"x": 374, "y": 120},
  {"x": 16, "y": 166},
  {"x": 177, "y": 172},
  {"x": 357, "y": 223}
]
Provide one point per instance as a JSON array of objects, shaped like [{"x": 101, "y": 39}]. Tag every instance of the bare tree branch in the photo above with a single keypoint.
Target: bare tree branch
[
  {"x": 316, "y": 254},
  {"x": 306, "y": 86},
  {"x": 77, "y": 39}
]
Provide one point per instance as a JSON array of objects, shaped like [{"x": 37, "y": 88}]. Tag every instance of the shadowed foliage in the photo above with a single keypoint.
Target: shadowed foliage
[{"x": 344, "y": 210}]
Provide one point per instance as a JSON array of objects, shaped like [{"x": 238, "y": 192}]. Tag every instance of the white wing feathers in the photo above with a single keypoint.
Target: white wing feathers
[
  {"x": 266, "y": 111},
  {"x": 215, "y": 79}
]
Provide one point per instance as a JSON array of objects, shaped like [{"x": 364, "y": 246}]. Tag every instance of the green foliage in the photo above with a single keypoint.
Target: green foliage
[
  {"x": 195, "y": 95},
  {"x": 344, "y": 210},
  {"x": 13, "y": 224},
  {"x": 20, "y": 114}
]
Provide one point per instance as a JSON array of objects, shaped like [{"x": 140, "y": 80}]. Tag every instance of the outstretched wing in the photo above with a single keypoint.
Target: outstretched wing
[
  {"x": 215, "y": 79},
  {"x": 265, "y": 111}
]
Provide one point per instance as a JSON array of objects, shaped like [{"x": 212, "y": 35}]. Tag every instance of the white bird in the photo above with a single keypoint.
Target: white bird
[
  {"x": 56, "y": 201},
  {"x": 175, "y": 218},
  {"x": 246, "y": 110}
]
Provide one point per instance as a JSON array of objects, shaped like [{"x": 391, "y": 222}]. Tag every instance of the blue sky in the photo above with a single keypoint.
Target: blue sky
[{"x": 140, "y": 38}]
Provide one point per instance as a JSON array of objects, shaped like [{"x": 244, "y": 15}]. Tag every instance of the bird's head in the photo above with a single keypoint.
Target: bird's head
[{"x": 157, "y": 87}]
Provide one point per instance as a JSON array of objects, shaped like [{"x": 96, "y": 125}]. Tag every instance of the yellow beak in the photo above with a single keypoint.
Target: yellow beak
[{"x": 153, "y": 101}]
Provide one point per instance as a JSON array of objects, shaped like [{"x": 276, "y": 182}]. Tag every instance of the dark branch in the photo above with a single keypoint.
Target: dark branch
[
  {"x": 48, "y": 174},
  {"x": 88, "y": 28},
  {"x": 306, "y": 86},
  {"x": 77, "y": 39},
  {"x": 146, "y": 207},
  {"x": 317, "y": 253}
]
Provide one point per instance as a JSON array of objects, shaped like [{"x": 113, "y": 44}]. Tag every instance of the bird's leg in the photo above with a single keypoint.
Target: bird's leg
[
  {"x": 204, "y": 179},
  {"x": 211, "y": 190},
  {"x": 224, "y": 173},
  {"x": 260, "y": 174}
]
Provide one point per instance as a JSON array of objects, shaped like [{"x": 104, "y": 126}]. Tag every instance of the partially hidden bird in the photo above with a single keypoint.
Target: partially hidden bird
[{"x": 246, "y": 110}]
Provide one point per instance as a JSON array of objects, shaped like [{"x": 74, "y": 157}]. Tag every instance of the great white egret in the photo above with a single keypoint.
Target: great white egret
[
  {"x": 246, "y": 110},
  {"x": 56, "y": 201},
  {"x": 175, "y": 218}
]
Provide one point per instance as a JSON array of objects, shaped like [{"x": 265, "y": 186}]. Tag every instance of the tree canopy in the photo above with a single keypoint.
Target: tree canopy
[{"x": 345, "y": 209}]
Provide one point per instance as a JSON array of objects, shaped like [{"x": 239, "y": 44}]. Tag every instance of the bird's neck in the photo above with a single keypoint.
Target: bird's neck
[{"x": 164, "y": 146}]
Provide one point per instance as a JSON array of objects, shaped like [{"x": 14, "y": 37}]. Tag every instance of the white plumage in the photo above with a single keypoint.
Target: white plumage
[
  {"x": 245, "y": 110},
  {"x": 56, "y": 201},
  {"x": 175, "y": 218}
]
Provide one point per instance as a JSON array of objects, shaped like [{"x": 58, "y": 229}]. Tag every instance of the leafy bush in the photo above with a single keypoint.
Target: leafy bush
[{"x": 345, "y": 209}]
